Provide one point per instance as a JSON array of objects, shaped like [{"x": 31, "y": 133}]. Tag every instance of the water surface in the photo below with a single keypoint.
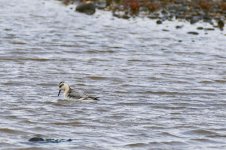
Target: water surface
[{"x": 158, "y": 90}]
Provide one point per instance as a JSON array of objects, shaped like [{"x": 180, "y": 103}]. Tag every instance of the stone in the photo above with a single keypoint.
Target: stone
[
  {"x": 209, "y": 29},
  {"x": 200, "y": 28},
  {"x": 87, "y": 8},
  {"x": 158, "y": 22},
  {"x": 36, "y": 139},
  {"x": 179, "y": 27},
  {"x": 41, "y": 140},
  {"x": 220, "y": 24},
  {"x": 193, "y": 33}
]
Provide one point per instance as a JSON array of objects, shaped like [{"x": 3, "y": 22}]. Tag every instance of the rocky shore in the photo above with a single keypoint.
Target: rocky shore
[{"x": 193, "y": 11}]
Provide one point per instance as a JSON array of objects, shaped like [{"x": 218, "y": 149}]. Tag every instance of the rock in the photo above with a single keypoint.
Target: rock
[
  {"x": 158, "y": 22},
  {"x": 125, "y": 16},
  {"x": 154, "y": 16},
  {"x": 200, "y": 28},
  {"x": 165, "y": 30},
  {"x": 209, "y": 29},
  {"x": 207, "y": 19},
  {"x": 122, "y": 16},
  {"x": 179, "y": 27},
  {"x": 193, "y": 33},
  {"x": 87, "y": 8},
  {"x": 220, "y": 24},
  {"x": 41, "y": 140},
  {"x": 36, "y": 139},
  {"x": 164, "y": 12}
]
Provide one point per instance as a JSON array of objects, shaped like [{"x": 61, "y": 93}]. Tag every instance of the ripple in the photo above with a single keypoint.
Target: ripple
[
  {"x": 12, "y": 131},
  {"x": 201, "y": 132},
  {"x": 134, "y": 145},
  {"x": 155, "y": 92},
  {"x": 71, "y": 123},
  {"x": 23, "y": 59},
  {"x": 97, "y": 77}
]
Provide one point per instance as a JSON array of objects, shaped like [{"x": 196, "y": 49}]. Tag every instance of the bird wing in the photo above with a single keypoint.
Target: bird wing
[
  {"x": 79, "y": 94},
  {"x": 76, "y": 94}
]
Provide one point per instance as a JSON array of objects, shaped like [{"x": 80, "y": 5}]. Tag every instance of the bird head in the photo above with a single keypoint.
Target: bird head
[{"x": 63, "y": 86}]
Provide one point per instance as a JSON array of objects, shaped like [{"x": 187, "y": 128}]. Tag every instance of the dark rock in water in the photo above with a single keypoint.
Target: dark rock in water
[
  {"x": 36, "y": 139},
  {"x": 87, "y": 8},
  {"x": 209, "y": 29},
  {"x": 154, "y": 16},
  {"x": 193, "y": 33},
  {"x": 41, "y": 140},
  {"x": 179, "y": 27},
  {"x": 69, "y": 140},
  {"x": 164, "y": 12},
  {"x": 207, "y": 19},
  {"x": 200, "y": 28},
  {"x": 159, "y": 22},
  {"x": 220, "y": 24},
  {"x": 124, "y": 16},
  {"x": 165, "y": 30}
]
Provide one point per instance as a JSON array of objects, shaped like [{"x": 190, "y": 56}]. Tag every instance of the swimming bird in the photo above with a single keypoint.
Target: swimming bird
[{"x": 70, "y": 93}]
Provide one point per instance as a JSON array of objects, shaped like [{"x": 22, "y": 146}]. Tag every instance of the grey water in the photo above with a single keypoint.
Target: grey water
[{"x": 158, "y": 90}]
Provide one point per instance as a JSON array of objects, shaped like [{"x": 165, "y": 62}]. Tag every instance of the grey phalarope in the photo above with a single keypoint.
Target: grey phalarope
[{"x": 70, "y": 93}]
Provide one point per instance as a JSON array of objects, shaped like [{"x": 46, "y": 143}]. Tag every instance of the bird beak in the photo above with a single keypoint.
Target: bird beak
[{"x": 59, "y": 92}]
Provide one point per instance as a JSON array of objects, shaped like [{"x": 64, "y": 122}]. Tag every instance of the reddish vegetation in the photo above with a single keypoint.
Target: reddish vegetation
[
  {"x": 132, "y": 5},
  {"x": 166, "y": 2},
  {"x": 191, "y": 10},
  {"x": 154, "y": 6},
  {"x": 66, "y": 2},
  {"x": 223, "y": 6},
  {"x": 205, "y": 5},
  {"x": 151, "y": 6}
]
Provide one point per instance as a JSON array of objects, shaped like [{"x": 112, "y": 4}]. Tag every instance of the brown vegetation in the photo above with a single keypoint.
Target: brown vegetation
[
  {"x": 153, "y": 6},
  {"x": 205, "y": 5},
  {"x": 132, "y": 6},
  {"x": 223, "y": 6}
]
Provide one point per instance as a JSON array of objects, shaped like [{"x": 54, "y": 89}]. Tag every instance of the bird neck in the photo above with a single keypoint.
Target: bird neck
[{"x": 67, "y": 90}]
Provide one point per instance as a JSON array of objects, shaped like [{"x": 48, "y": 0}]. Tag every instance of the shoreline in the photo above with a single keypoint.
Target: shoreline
[{"x": 192, "y": 11}]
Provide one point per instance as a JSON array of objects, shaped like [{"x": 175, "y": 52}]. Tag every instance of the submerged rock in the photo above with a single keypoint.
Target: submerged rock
[
  {"x": 36, "y": 139},
  {"x": 42, "y": 140},
  {"x": 179, "y": 27},
  {"x": 193, "y": 33},
  {"x": 87, "y": 8},
  {"x": 158, "y": 22},
  {"x": 209, "y": 29},
  {"x": 220, "y": 24},
  {"x": 200, "y": 28}
]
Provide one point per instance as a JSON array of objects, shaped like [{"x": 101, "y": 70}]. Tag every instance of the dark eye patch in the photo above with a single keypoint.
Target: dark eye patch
[
  {"x": 61, "y": 82},
  {"x": 61, "y": 85}
]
